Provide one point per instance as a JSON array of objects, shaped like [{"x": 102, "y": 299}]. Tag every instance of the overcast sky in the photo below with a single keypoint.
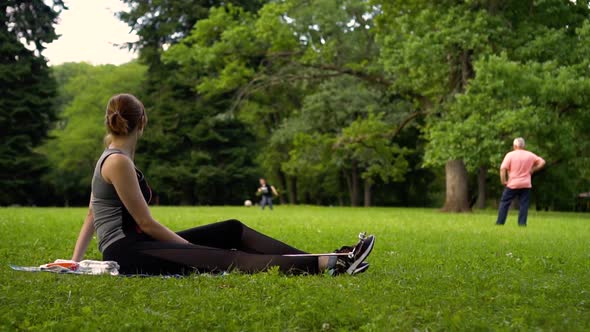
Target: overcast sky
[{"x": 88, "y": 31}]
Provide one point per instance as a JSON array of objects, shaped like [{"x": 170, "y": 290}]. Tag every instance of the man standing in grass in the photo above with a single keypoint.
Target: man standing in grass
[{"x": 518, "y": 165}]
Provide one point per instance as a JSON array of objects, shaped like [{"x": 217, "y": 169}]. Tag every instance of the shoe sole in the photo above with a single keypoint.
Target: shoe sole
[
  {"x": 361, "y": 268},
  {"x": 351, "y": 269}
]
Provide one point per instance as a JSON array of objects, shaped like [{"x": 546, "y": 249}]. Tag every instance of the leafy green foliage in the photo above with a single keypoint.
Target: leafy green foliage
[
  {"x": 428, "y": 271},
  {"x": 180, "y": 155},
  {"x": 337, "y": 135},
  {"x": 366, "y": 142},
  {"x": 490, "y": 71},
  {"x": 27, "y": 93},
  {"x": 31, "y": 21},
  {"x": 328, "y": 98},
  {"x": 292, "y": 72},
  {"x": 77, "y": 141},
  {"x": 429, "y": 46},
  {"x": 215, "y": 167}
]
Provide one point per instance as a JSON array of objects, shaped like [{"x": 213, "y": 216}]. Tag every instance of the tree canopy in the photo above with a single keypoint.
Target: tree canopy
[{"x": 341, "y": 101}]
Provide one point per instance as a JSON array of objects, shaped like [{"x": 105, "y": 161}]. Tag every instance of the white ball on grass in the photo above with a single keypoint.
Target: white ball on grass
[{"x": 248, "y": 203}]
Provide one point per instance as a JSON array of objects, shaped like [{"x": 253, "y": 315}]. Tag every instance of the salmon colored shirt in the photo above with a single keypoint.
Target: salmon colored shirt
[{"x": 519, "y": 164}]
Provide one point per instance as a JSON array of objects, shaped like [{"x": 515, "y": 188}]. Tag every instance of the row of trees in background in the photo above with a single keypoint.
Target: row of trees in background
[
  {"x": 344, "y": 102},
  {"x": 256, "y": 64}
]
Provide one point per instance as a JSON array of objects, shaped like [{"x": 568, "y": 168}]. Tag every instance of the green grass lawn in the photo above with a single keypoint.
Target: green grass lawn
[{"x": 429, "y": 271}]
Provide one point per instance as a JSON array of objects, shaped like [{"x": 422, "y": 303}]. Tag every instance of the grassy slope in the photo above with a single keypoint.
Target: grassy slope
[{"x": 429, "y": 271}]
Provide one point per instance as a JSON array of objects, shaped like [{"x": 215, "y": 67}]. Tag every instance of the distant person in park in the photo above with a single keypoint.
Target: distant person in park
[
  {"x": 266, "y": 191},
  {"x": 128, "y": 234},
  {"x": 515, "y": 174}
]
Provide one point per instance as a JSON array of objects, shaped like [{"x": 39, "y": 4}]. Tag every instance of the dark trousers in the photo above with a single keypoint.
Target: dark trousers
[
  {"x": 524, "y": 199},
  {"x": 215, "y": 247},
  {"x": 266, "y": 200}
]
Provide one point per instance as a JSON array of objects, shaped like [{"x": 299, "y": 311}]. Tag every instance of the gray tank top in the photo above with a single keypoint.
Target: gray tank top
[{"x": 111, "y": 218}]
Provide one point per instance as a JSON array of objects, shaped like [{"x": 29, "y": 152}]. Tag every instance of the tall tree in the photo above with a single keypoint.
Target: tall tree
[
  {"x": 535, "y": 89},
  {"x": 429, "y": 47},
  {"x": 179, "y": 114},
  {"x": 27, "y": 92},
  {"x": 366, "y": 145},
  {"x": 432, "y": 49},
  {"x": 342, "y": 132}
]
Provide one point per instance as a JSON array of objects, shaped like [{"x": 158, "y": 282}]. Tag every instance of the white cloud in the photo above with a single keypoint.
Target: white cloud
[{"x": 89, "y": 29}]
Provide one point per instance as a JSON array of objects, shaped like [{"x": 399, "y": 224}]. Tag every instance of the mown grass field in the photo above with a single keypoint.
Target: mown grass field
[{"x": 429, "y": 271}]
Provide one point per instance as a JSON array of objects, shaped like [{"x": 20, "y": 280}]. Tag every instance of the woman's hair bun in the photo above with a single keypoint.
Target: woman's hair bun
[
  {"x": 117, "y": 124},
  {"x": 124, "y": 114}
]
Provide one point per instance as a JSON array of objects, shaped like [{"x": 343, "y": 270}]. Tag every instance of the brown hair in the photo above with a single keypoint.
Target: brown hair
[{"x": 124, "y": 114}]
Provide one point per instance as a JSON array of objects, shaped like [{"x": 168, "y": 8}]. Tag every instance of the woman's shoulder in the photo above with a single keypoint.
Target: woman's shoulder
[
  {"x": 107, "y": 153},
  {"x": 119, "y": 160},
  {"x": 117, "y": 164}
]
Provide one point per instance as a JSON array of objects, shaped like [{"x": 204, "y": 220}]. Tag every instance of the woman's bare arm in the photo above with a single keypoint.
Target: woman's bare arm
[
  {"x": 85, "y": 235},
  {"x": 119, "y": 170}
]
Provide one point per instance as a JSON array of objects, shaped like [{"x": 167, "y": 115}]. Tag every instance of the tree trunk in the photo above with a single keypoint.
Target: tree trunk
[
  {"x": 307, "y": 198},
  {"x": 481, "y": 188},
  {"x": 456, "y": 199},
  {"x": 348, "y": 184},
  {"x": 292, "y": 189},
  {"x": 283, "y": 184},
  {"x": 368, "y": 186},
  {"x": 466, "y": 68},
  {"x": 354, "y": 199},
  {"x": 187, "y": 197}
]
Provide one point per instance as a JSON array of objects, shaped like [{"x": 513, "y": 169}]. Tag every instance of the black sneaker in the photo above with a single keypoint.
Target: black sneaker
[
  {"x": 353, "y": 262},
  {"x": 360, "y": 252}
]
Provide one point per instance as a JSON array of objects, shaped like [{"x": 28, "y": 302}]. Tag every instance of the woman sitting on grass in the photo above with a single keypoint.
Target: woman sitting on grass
[{"x": 128, "y": 234}]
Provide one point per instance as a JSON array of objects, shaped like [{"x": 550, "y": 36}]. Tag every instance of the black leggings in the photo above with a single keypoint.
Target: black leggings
[{"x": 215, "y": 247}]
